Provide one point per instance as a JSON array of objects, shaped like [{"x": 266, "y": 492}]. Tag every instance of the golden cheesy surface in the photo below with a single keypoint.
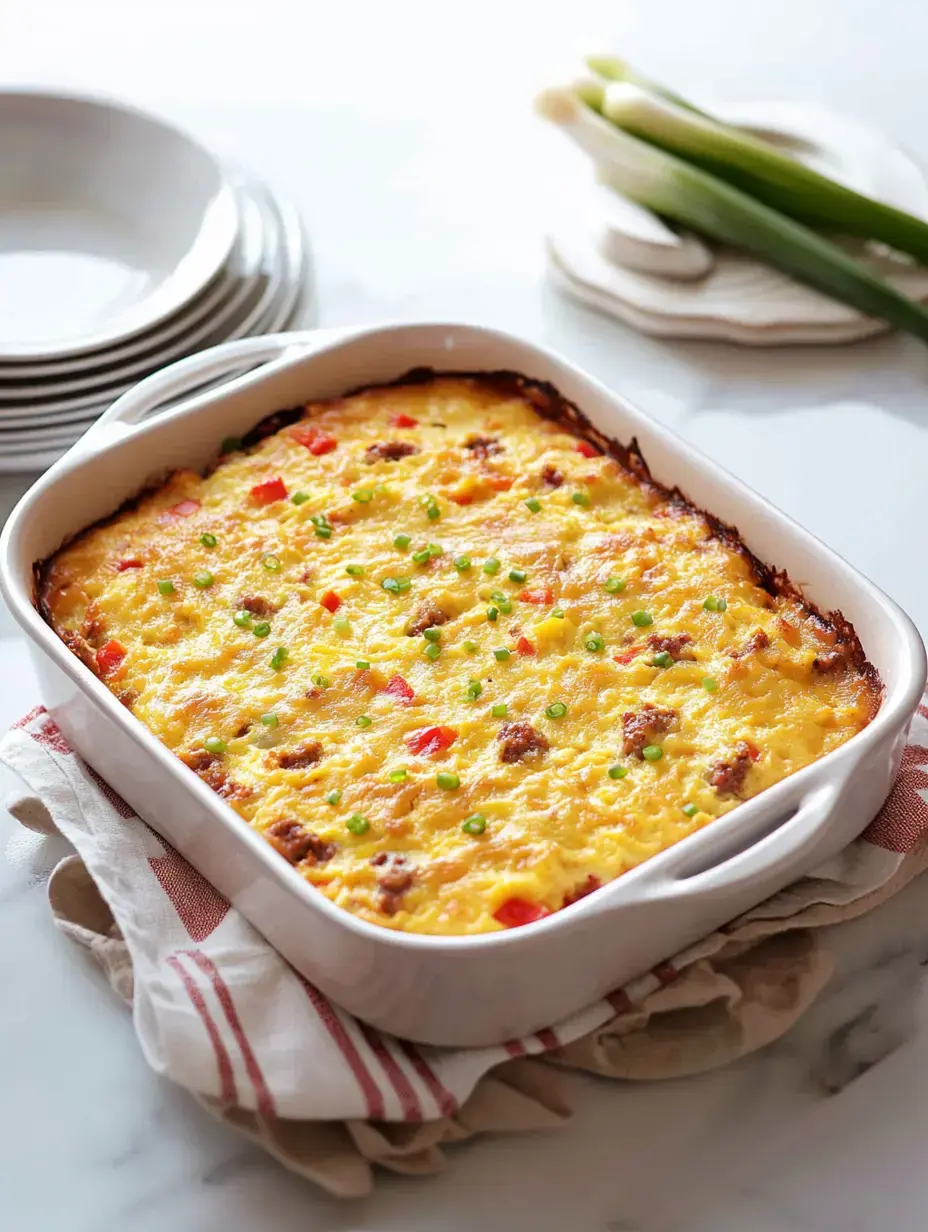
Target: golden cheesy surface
[{"x": 456, "y": 664}]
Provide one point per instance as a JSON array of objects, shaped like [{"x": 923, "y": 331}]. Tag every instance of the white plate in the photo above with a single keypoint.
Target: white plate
[
  {"x": 292, "y": 301},
  {"x": 110, "y": 220},
  {"x": 281, "y": 270}
]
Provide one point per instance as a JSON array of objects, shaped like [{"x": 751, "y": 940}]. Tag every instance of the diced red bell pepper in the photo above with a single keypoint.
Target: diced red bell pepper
[
  {"x": 753, "y": 750},
  {"x": 110, "y": 657},
  {"x": 183, "y": 509},
  {"x": 331, "y": 600},
  {"x": 500, "y": 483},
  {"x": 542, "y": 596},
  {"x": 269, "y": 490},
  {"x": 582, "y": 890},
  {"x": 626, "y": 656},
  {"x": 588, "y": 450},
  {"x": 515, "y": 912},
  {"x": 462, "y": 498},
  {"x": 397, "y": 688},
  {"x": 314, "y": 439},
  {"x": 431, "y": 740},
  {"x": 399, "y": 420},
  {"x": 131, "y": 562},
  {"x": 524, "y": 646}
]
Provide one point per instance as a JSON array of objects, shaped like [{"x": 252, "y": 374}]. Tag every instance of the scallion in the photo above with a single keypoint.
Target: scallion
[
  {"x": 213, "y": 744},
  {"x": 652, "y": 752},
  {"x": 475, "y": 824},
  {"x": 448, "y": 782},
  {"x": 357, "y": 824},
  {"x": 363, "y": 720},
  {"x": 203, "y": 580},
  {"x": 279, "y": 658},
  {"x": 208, "y": 540},
  {"x": 271, "y": 562},
  {"x": 499, "y": 710},
  {"x": 491, "y": 565},
  {"x": 556, "y": 710},
  {"x": 533, "y": 504},
  {"x": 166, "y": 587}
]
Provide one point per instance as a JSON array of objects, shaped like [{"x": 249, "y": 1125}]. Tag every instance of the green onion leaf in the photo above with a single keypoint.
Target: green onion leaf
[
  {"x": 391, "y": 584},
  {"x": 354, "y": 570},
  {"x": 470, "y": 647},
  {"x": 341, "y": 624},
  {"x": 595, "y": 642},
  {"x": 271, "y": 563},
  {"x": 300, "y": 498},
  {"x": 617, "y": 772},
  {"x": 556, "y": 710},
  {"x": 664, "y": 659},
  {"x": 166, "y": 587},
  {"x": 323, "y": 532},
  {"x": 641, "y": 620},
  {"x": 261, "y": 629},
  {"x": 580, "y": 498},
  {"x": 421, "y": 557},
  {"x": 270, "y": 720},
  {"x": 690, "y": 810},
  {"x": 363, "y": 496},
  {"x": 321, "y": 681},
  {"x": 499, "y": 711},
  {"x": 279, "y": 658},
  {"x": 462, "y": 563},
  {"x": 475, "y": 824},
  {"x": 242, "y": 618},
  {"x": 474, "y": 689},
  {"x": 517, "y": 575},
  {"x": 358, "y": 824},
  {"x": 501, "y": 655},
  {"x": 709, "y": 684},
  {"x": 434, "y": 549},
  {"x": 402, "y": 542},
  {"x": 203, "y": 580},
  {"x": 533, "y": 504},
  {"x": 399, "y": 775},
  {"x": 432, "y": 634},
  {"x": 492, "y": 613},
  {"x": 491, "y": 565},
  {"x": 208, "y": 540},
  {"x": 652, "y": 752},
  {"x": 432, "y": 651},
  {"x": 363, "y": 720},
  {"x": 615, "y": 585},
  {"x": 333, "y": 797},
  {"x": 213, "y": 744},
  {"x": 448, "y": 782},
  {"x": 363, "y": 665},
  {"x": 557, "y": 613}
]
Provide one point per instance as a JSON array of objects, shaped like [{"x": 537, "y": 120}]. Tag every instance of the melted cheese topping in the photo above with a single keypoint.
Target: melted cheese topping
[{"x": 747, "y": 685}]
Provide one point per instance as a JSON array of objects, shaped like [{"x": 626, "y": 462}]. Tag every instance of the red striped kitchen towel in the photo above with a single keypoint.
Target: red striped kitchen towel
[{"x": 217, "y": 1010}]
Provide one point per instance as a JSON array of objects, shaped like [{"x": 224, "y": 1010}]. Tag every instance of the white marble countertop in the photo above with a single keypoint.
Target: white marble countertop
[{"x": 403, "y": 131}]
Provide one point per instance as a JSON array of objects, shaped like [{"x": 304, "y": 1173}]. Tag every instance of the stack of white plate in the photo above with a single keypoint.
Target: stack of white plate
[{"x": 124, "y": 245}]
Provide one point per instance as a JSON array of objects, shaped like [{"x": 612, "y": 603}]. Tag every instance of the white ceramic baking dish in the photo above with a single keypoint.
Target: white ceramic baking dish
[{"x": 452, "y": 990}]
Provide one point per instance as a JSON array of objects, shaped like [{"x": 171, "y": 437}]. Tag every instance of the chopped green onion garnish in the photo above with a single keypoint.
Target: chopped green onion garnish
[
  {"x": 403, "y": 584},
  {"x": 400, "y": 775},
  {"x": 434, "y": 549},
  {"x": 230, "y": 444},
  {"x": 501, "y": 655},
  {"x": 323, "y": 532},
  {"x": 556, "y": 710},
  {"x": 557, "y": 614},
  {"x": 474, "y": 689},
  {"x": 491, "y": 565},
  {"x": 279, "y": 658},
  {"x": 213, "y": 744},
  {"x": 432, "y": 651},
  {"x": 261, "y": 629},
  {"x": 166, "y": 587},
  {"x": 208, "y": 540},
  {"x": 391, "y": 584},
  {"x": 517, "y": 575},
  {"x": 533, "y": 504},
  {"x": 432, "y": 512},
  {"x": 499, "y": 711},
  {"x": 450, "y": 782},
  {"x": 714, "y": 605},
  {"x": 321, "y": 681},
  {"x": 358, "y": 824},
  {"x": 580, "y": 498},
  {"x": 470, "y": 647},
  {"x": 690, "y": 810},
  {"x": 617, "y": 772},
  {"x": 475, "y": 824},
  {"x": 595, "y": 642},
  {"x": 242, "y": 617},
  {"x": 203, "y": 580},
  {"x": 492, "y": 613},
  {"x": 615, "y": 585},
  {"x": 363, "y": 665},
  {"x": 709, "y": 684},
  {"x": 271, "y": 563},
  {"x": 402, "y": 542},
  {"x": 642, "y": 619},
  {"x": 432, "y": 634},
  {"x": 354, "y": 570},
  {"x": 363, "y": 720},
  {"x": 363, "y": 496},
  {"x": 462, "y": 563},
  {"x": 342, "y": 624},
  {"x": 664, "y": 659},
  {"x": 270, "y": 720},
  {"x": 503, "y": 602},
  {"x": 300, "y": 498},
  {"x": 652, "y": 752},
  {"x": 422, "y": 556},
  {"x": 333, "y": 797}
]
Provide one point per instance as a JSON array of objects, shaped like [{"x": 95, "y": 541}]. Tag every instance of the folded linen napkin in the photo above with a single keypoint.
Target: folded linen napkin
[{"x": 217, "y": 1010}]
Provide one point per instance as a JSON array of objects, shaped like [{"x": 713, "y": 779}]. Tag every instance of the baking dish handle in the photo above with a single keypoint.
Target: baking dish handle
[
  {"x": 784, "y": 847},
  {"x": 185, "y": 376}
]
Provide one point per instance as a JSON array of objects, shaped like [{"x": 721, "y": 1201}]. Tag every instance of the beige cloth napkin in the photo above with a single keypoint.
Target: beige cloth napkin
[{"x": 218, "y": 1011}]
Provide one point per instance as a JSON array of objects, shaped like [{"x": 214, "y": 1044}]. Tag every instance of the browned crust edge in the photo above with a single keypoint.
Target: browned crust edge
[{"x": 547, "y": 401}]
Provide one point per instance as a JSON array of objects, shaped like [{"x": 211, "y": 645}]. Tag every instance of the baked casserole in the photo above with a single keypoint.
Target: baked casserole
[{"x": 457, "y": 657}]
